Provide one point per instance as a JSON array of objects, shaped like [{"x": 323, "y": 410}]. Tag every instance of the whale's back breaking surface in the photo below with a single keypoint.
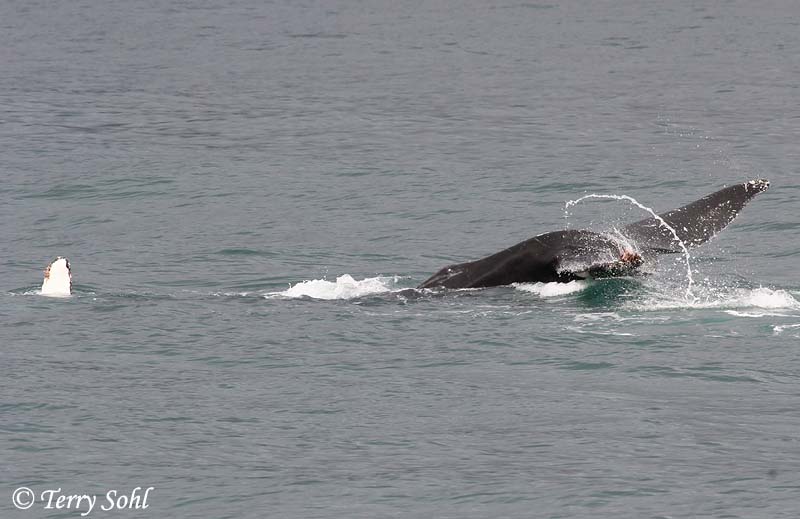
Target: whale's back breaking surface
[
  {"x": 57, "y": 278},
  {"x": 554, "y": 256}
]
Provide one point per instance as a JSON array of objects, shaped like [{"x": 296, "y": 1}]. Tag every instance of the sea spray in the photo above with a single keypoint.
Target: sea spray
[
  {"x": 553, "y": 289},
  {"x": 345, "y": 287},
  {"x": 661, "y": 221}
]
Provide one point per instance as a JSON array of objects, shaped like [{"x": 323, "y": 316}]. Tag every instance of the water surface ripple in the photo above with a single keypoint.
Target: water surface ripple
[{"x": 249, "y": 191}]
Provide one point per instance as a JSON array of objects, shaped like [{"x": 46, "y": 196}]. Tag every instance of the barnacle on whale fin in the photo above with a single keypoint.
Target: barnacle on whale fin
[{"x": 759, "y": 184}]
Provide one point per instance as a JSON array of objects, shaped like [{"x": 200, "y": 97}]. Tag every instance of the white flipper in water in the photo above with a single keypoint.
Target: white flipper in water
[{"x": 57, "y": 278}]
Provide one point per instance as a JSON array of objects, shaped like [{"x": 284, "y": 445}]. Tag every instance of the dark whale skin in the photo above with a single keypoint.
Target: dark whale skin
[
  {"x": 535, "y": 259},
  {"x": 568, "y": 255}
]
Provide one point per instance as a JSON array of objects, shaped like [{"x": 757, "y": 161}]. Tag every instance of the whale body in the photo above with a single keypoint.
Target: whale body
[{"x": 569, "y": 255}]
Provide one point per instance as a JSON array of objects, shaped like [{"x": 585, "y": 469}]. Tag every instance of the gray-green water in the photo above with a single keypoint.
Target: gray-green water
[{"x": 196, "y": 159}]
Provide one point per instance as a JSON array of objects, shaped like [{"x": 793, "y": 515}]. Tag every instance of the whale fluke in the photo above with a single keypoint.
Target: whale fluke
[{"x": 695, "y": 223}]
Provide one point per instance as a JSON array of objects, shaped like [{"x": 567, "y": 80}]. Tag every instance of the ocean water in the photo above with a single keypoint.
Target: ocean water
[{"x": 247, "y": 192}]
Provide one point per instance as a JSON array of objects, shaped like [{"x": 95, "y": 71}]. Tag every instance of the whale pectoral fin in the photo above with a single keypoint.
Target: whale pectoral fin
[
  {"x": 695, "y": 223},
  {"x": 57, "y": 278}
]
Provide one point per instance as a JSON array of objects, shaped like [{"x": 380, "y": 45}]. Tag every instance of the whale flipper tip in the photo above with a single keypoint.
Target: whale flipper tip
[{"x": 759, "y": 184}]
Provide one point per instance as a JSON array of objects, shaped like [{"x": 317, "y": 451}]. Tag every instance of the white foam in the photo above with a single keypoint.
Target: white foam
[
  {"x": 738, "y": 313},
  {"x": 345, "y": 287},
  {"x": 598, "y": 316},
  {"x": 553, "y": 289},
  {"x": 778, "y": 329},
  {"x": 739, "y": 298},
  {"x": 762, "y": 297}
]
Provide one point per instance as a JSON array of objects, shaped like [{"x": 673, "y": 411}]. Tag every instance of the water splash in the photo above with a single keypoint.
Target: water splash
[
  {"x": 345, "y": 287},
  {"x": 553, "y": 289},
  {"x": 778, "y": 329},
  {"x": 765, "y": 301},
  {"x": 689, "y": 294}
]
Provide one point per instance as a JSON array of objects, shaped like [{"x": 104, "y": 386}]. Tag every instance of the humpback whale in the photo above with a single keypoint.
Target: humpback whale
[
  {"x": 57, "y": 278},
  {"x": 570, "y": 255}
]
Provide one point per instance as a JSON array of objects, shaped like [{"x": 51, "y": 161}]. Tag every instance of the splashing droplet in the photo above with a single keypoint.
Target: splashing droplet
[{"x": 689, "y": 294}]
